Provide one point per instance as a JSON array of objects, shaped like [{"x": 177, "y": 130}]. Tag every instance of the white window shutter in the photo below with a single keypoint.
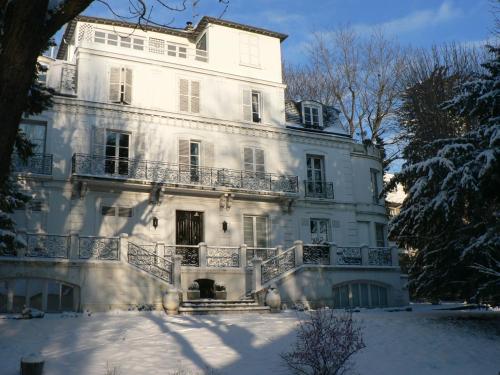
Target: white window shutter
[
  {"x": 248, "y": 237},
  {"x": 183, "y": 151},
  {"x": 208, "y": 154},
  {"x": 261, "y": 231},
  {"x": 248, "y": 159},
  {"x": 247, "y": 105},
  {"x": 114, "y": 85},
  {"x": 259, "y": 160},
  {"x": 195, "y": 97},
  {"x": 184, "y": 95},
  {"x": 127, "y": 83}
]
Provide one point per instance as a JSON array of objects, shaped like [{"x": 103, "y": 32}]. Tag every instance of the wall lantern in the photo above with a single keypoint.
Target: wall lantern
[
  {"x": 224, "y": 226},
  {"x": 155, "y": 222}
]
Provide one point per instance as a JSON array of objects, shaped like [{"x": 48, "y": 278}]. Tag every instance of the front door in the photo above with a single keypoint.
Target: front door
[{"x": 188, "y": 231}]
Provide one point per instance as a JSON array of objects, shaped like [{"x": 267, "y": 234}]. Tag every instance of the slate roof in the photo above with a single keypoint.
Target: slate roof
[{"x": 293, "y": 114}]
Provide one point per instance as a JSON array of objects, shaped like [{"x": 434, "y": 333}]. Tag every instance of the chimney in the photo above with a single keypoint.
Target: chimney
[{"x": 189, "y": 25}]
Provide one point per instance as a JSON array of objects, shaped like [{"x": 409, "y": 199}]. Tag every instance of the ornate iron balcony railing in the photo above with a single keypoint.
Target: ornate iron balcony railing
[
  {"x": 318, "y": 189},
  {"x": 379, "y": 256},
  {"x": 316, "y": 254},
  {"x": 37, "y": 163},
  {"x": 150, "y": 262},
  {"x": 277, "y": 265},
  {"x": 161, "y": 172}
]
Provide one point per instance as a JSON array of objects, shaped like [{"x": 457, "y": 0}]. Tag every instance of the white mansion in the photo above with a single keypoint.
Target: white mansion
[{"x": 170, "y": 156}]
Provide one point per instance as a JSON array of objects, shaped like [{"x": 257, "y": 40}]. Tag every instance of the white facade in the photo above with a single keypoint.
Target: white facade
[{"x": 154, "y": 124}]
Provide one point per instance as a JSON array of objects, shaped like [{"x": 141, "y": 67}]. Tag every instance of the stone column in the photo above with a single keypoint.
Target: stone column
[
  {"x": 364, "y": 255},
  {"x": 333, "y": 254},
  {"x": 123, "y": 247},
  {"x": 256, "y": 275},
  {"x": 177, "y": 272},
  {"x": 299, "y": 253},
  {"x": 395, "y": 256},
  {"x": 243, "y": 256},
  {"x": 74, "y": 249},
  {"x": 279, "y": 249},
  {"x": 203, "y": 254},
  {"x": 160, "y": 252},
  {"x": 21, "y": 232}
]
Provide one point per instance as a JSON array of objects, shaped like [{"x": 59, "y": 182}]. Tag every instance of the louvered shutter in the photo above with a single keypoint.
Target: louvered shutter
[
  {"x": 248, "y": 237},
  {"x": 184, "y": 154},
  {"x": 259, "y": 160},
  {"x": 261, "y": 231},
  {"x": 247, "y": 105},
  {"x": 127, "y": 78},
  {"x": 184, "y": 95},
  {"x": 208, "y": 154},
  {"x": 195, "y": 97},
  {"x": 248, "y": 159},
  {"x": 114, "y": 85}
]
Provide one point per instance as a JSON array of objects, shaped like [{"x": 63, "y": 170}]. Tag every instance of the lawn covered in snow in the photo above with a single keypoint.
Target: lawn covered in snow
[{"x": 423, "y": 341}]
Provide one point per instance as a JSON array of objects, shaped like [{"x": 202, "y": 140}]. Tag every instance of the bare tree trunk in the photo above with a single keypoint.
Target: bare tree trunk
[{"x": 27, "y": 27}]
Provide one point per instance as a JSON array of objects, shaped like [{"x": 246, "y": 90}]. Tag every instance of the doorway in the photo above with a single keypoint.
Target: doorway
[
  {"x": 207, "y": 288},
  {"x": 188, "y": 231}
]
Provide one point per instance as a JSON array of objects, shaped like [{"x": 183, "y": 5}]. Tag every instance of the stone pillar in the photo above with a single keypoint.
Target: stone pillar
[
  {"x": 160, "y": 252},
  {"x": 333, "y": 254},
  {"x": 243, "y": 256},
  {"x": 364, "y": 255},
  {"x": 74, "y": 249},
  {"x": 21, "y": 232},
  {"x": 299, "y": 253},
  {"x": 395, "y": 256},
  {"x": 123, "y": 246},
  {"x": 203, "y": 254},
  {"x": 256, "y": 275},
  {"x": 279, "y": 249},
  {"x": 177, "y": 272}
]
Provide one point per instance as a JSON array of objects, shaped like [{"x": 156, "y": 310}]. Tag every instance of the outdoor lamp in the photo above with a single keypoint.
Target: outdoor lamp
[
  {"x": 224, "y": 226},
  {"x": 155, "y": 222}
]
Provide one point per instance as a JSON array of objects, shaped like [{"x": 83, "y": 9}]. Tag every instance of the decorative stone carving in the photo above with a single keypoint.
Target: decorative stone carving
[{"x": 273, "y": 298}]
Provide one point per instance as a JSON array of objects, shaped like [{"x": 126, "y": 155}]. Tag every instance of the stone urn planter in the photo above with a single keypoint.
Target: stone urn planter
[
  {"x": 171, "y": 301},
  {"x": 193, "y": 291},
  {"x": 273, "y": 299},
  {"x": 220, "y": 291}
]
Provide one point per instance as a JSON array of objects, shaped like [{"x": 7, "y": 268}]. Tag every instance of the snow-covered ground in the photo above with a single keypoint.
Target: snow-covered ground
[{"x": 420, "y": 342}]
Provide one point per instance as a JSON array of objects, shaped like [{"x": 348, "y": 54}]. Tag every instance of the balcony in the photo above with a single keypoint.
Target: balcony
[
  {"x": 36, "y": 164},
  {"x": 97, "y": 166},
  {"x": 318, "y": 189}
]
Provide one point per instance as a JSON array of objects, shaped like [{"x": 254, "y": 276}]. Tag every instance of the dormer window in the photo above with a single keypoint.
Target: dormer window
[{"x": 312, "y": 115}]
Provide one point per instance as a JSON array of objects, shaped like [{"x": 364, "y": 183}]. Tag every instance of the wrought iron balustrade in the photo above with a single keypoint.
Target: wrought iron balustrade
[
  {"x": 222, "y": 257},
  {"x": 37, "y": 163},
  {"x": 161, "y": 172},
  {"x": 379, "y": 256},
  {"x": 349, "y": 256},
  {"x": 278, "y": 265},
  {"x": 263, "y": 253},
  {"x": 316, "y": 254},
  {"x": 190, "y": 254},
  {"x": 150, "y": 262},
  {"x": 318, "y": 189},
  {"x": 103, "y": 248},
  {"x": 47, "y": 246}
]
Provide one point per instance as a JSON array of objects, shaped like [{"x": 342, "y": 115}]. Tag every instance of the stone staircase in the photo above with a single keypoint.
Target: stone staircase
[{"x": 212, "y": 306}]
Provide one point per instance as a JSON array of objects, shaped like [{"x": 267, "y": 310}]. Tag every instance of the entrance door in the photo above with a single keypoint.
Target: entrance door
[{"x": 188, "y": 231}]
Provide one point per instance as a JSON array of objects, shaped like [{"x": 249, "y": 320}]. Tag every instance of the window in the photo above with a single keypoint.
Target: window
[
  {"x": 189, "y": 159},
  {"x": 120, "y": 85},
  {"x": 311, "y": 115},
  {"x": 380, "y": 234},
  {"x": 108, "y": 211},
  {"x": 249, "y": 50},
  {"x": 252, "y": 105},
  {"x": 36, "y": 134},
  {"x": 253, "y": 160},
  {"x": 42, "y": 73},
  {"x": 176, "y": 51},
  {"x": 117, "y": 153},
  {"x": 113, "y": 39},
  {"x": 201, "y": 49},
  {"x": 189, "y": 96},
  {"x": 156, "y": 46},
  {"x": 359, "y": 295},
  {"x": 319, "y": 230},
  {"x": 315, "y": 174},
  {"x": 374, "y": 174},
  {"x": 116, "y": 211},
  {"x": 255, "y": 231}
]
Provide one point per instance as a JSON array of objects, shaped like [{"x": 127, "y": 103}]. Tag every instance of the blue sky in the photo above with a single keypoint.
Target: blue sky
[{"x": 418, "y": 23}]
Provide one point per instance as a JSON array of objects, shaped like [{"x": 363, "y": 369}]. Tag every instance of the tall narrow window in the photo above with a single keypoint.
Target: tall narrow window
[
  {"x": 36, "y": 134},
  {"x": 319, "y": 230},
  {"x": 315, "y": 174},
  {"x": 254, "y": 160},
  {"x": 256, "y": 107},
  {"x": 380, "y": 234},
  {"x": 255, "y": 231},
  {"x": 120, "y": 85},
  {"x": 117, "y": 153},
  {"x": 311, "y": 116},
  {"x": 252, "y": 105},
  {"x": 189, "y": 96},
  {"x": 189, "y": 160},
  {"x": 374, "y": 174}
]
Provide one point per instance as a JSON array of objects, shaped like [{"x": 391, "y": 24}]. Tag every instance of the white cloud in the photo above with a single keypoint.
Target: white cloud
[{"x": 415, "y": 21}]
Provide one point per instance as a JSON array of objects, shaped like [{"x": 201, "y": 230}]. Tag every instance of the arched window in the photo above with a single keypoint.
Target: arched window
[{"x": 359, "y": 294}]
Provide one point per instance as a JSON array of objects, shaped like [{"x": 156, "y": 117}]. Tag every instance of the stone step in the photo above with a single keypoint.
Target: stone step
[
  {"x": 219, "y": 301},
  {"x": 219, "y": 305},
  {"x": 223, "y": 310}
]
